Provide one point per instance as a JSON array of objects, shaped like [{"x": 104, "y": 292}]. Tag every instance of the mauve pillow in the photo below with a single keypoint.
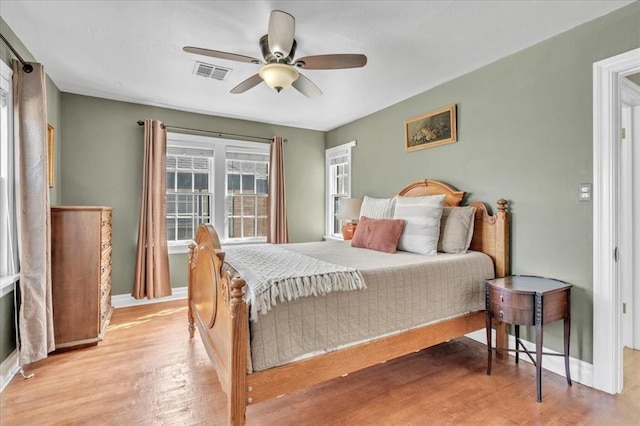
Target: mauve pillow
[{"x": 378, "y": 234}]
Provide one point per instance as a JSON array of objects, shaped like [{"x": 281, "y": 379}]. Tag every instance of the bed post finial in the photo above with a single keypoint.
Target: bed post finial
[
  {"x": 237, "y": 295},
  {"x": 502, "y": 205}
]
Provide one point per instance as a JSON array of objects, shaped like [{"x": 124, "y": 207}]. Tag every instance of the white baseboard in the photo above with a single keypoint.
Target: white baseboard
[
  {"x": 8, "y": 369},
  {"x": 126, "y": 300},
  {"x": 581, "y": 372}
]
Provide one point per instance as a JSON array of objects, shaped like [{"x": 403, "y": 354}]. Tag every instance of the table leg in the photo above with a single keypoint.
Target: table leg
[
  {"x": 489, "y": 348},
  {"x": 539, "y": 361},
  {"x": 539, "y": 322},
  {"x": 517, "y": 330},
  {"x": 567, "y": 339}
]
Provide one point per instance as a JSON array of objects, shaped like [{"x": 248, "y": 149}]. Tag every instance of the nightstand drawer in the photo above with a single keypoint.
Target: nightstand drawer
[
  {"x": 511, "y": 314},
  {"x": 510, "y": 307},
  {"x": 510, "y": 299}
]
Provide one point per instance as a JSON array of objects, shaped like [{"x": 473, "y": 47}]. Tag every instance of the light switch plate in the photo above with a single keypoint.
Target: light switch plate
[{"x": 585, "y": 192}]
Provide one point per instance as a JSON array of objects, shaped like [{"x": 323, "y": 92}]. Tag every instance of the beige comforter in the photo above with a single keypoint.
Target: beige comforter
[{"x": 404, "y": 290}]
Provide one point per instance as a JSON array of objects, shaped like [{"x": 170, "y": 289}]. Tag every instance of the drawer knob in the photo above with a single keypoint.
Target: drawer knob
[
  {"x": 501, "y": 314},
  {"x": 501, "y": 298}
]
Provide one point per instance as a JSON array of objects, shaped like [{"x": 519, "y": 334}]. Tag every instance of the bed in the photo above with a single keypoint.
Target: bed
[{"x": 218, "y": 308}]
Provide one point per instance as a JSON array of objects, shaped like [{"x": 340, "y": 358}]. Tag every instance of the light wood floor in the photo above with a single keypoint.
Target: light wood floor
[{"x": 148, "y": 372}]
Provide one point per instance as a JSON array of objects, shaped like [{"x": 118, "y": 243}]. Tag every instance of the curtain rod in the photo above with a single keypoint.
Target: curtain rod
[
  {"x": 220, "y": 134},
  {"x": 25, "y": 66}
]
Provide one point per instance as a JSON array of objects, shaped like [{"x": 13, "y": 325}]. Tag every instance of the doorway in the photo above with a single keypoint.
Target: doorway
[{"x": 608, "y": 78}]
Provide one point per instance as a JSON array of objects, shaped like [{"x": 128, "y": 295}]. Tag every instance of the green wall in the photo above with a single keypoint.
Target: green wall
[
  {"x": 524, "y": 134},
  {"x": 7, "y": 308},
  {"x": 102, "y": 165}
]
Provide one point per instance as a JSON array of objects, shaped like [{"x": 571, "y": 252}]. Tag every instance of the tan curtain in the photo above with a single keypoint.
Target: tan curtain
[
  {"x": 152, "y": 259},
  {"x": 278, "y": 232},
  {"x": 35, "y": 317}
]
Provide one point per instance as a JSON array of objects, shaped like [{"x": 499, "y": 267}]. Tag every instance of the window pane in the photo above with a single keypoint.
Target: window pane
[
  {"x": 200, "y": 163},
  {"x": 171, "y": 162},
  {"x": 171, "y": 181},
  {"x": 248, "y": 167},
  {"x": 171, "y": 204},
  {"x": 185, "y": 229},
  {"x": 262, "y": 227},
  {"x": 261, "y": 170},
  {"x": 184, "y": 163},
  {"x": 233, "y": 183},
  {"x": 171, "y": 229},
  {"x": 262, "y": 186},
  {"x": 185, "y": 181},
  {"x": 261, "y": 206},
  {"x": 248, "y": 184},
  {"x": 249, "y": 227},
  {"x": 233, "y": 167},
  {"x": 235, "y": 205},
  {"x": 248, "y": 206},
  {"x": 235, "y": 230},
  {"x": 336, "y": 222},
  {"x": 203, "y": 208},
  {"x": 201, "y": 182},
  {"x": 185, "y": 203}
]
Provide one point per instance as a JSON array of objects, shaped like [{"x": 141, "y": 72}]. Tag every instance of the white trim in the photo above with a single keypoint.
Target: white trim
[
  {"x": 581, "y": 372},
  {"x": 343, "y": 147},
  {"x": 607, "y": 353},
  {"x": 8, "y": 284},
  {"x": 126, "y": 300},
  {"x": 336, "y": 151},
  {"x": 8, "y": 369}
]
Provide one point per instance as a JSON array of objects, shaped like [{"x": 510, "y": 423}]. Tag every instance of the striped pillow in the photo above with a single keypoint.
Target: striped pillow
[
  {"x": 422, "y": 223},
  {"x": 377, "y": 208}
]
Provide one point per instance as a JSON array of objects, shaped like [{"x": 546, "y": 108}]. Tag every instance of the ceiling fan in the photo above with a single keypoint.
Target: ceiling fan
[{"x": 279, "y": 70}]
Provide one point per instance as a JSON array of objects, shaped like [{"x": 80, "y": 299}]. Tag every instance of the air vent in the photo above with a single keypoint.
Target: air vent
[{"x": 211, "y": 71}]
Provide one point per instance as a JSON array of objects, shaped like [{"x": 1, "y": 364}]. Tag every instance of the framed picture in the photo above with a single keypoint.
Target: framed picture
[
  {"x": 431, "y": 129},
  {"x": 51, "y": 145}
]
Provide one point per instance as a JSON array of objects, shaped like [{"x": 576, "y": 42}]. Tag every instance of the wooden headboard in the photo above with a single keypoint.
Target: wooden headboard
[{"x": 490, "y": 233}]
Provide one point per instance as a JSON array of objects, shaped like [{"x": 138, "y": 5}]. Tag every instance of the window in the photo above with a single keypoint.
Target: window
[
  {"x": 218, "y": 181},
  {"x": 338, "y": 172},
  {"x": 8, "y": 225}
]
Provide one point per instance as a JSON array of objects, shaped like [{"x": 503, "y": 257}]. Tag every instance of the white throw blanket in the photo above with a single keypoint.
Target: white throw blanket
[{"x": 274, "y": 273}]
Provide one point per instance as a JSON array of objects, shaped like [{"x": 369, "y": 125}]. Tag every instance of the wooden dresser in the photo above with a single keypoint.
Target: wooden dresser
[{"x": 80, "y": 274}]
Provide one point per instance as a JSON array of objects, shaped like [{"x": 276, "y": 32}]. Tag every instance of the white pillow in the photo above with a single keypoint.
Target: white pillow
[
  {"x": 422, "y": 223},
  {"x": 377, "y": 208}
]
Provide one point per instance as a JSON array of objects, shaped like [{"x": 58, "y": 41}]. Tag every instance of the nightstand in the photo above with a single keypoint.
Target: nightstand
[{"x": 527, "y": 300}]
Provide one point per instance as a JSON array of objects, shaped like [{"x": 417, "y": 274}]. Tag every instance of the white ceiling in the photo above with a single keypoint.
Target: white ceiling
[{"x": 132, "y": 50}]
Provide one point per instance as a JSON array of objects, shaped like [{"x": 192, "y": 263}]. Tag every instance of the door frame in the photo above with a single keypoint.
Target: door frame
[{"x": 607, "y": 353}]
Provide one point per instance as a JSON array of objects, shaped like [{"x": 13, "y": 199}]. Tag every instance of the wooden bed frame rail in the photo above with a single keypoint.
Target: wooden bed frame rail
[{"x": 216, "y": 306}]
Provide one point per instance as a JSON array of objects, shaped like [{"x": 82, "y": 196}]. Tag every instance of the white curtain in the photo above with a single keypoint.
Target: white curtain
[{"x": 35, "y": 317}]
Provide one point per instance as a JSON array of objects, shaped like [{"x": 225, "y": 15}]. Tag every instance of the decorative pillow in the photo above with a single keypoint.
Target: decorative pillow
[
  {"x": 377, "y": 208},
  {"x": 422, "y": 223},
  {"x": 456, "y": 229},
  {"x": 378, "y": 234}
]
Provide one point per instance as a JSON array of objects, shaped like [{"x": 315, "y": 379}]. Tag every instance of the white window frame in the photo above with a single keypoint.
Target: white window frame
[
  {"x": 217, "y": 181},
  {"x": 331, "y": 154},
  {"x": 9, "y": 265}
]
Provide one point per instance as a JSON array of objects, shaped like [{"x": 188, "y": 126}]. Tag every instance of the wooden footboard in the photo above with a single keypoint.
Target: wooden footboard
[{"x": 218, "y": 309}]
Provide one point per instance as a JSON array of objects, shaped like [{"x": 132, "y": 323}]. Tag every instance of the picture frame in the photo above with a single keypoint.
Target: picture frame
[
  {"x": 434, "y": 128},
  {"x": 51, "y": 146}
]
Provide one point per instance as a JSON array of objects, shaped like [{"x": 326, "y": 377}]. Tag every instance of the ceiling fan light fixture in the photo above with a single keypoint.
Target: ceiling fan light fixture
[{"x": 278, "y": 76}]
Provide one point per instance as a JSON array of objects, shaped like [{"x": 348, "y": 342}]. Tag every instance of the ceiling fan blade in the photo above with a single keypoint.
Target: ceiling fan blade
[
  {"x": 306, "y": 87},
  {"x": 249, "y": 83},
  {"x": 332, "y": 62},
  {"x": 221, "y": 55},
  {"x": 282, "y": 28}
]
